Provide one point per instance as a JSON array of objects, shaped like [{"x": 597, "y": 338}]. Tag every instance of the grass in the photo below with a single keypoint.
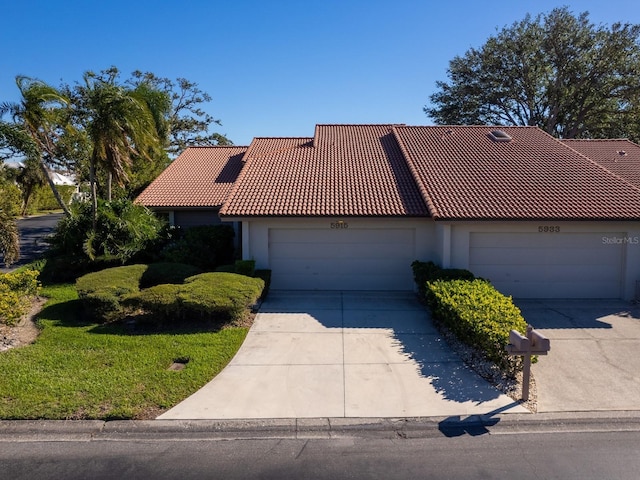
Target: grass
[{"x": 81, "y": 370}]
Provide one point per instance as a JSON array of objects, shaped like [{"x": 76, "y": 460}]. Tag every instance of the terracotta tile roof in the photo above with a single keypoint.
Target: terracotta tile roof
[
  {"x": 199, "y": 177},
  {"x": 620, "y": 156},
  {"x": 464, "y": 174},
  {"x": 344, "y": 170}
]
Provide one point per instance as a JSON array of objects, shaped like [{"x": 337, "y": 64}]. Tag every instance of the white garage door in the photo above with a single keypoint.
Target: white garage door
[
  {"x": 554, "y": 265},
  {"x": 344, "y": 259}
]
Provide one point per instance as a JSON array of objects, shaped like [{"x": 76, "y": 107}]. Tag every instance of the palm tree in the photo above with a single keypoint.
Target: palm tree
[
  {"x": 120, "y": 124},
  {"x": 41, "y": 115}
]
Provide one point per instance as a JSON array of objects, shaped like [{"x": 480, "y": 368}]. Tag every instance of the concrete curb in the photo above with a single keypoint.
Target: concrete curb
[{"x": 421, "y": 427}]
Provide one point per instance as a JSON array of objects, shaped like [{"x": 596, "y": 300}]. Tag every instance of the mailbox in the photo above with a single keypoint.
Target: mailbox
[
  {"x": 533, "y": 343},
  {"x": 519, "y": 341},
  {"x": 540, "y": 344}
]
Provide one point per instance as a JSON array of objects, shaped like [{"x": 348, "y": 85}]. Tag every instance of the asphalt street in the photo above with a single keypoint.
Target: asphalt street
[
  {"x": 33, "y": 230},
  {"x": 566, "y": 449}
]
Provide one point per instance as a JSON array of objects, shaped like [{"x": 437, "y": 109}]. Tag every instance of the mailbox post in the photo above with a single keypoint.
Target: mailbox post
[{"x": 534, "y": 343}]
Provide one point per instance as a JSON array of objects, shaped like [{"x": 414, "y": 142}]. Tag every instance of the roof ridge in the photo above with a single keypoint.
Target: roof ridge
[
  {"x": 602, "y": 140},
  {"x": 282, "y": 138},
  {"x": 561, "y": 142},
  {"x": 433, "y": 211},
  {"x": 216, "y": 146},
  {"x": 389, "y": 124}
]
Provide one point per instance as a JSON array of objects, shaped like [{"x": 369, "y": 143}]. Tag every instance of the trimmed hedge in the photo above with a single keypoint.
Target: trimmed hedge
[
  {"x": 472, "y": 309},
  {"x": 103, "y": 292},
  {"x": 424, "y": 272},
  {"x": 208, "y": 296},
  {"x": 478, "y": 315}
]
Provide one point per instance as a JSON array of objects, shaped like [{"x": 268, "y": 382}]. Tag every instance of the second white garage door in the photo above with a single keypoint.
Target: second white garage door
[
  {"x": 346, "y": 259},
  {"x": 557, "y": 265}
]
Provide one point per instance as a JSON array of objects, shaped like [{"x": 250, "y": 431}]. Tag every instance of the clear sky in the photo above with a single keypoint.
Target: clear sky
[{"x": 273, "y": 67}]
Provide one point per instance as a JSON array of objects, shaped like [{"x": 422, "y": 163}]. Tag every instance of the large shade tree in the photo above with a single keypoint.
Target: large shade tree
[
  {"x": 557, "y": 71},
  {"x": 187, "y": 122},
  {"x": 42, "y": 114}
]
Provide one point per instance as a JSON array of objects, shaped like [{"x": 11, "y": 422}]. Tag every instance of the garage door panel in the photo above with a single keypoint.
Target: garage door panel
[
  {"x": 357, "y": 259},
  {"x": 560, "y": 290},
  {"x": 545, "y": 256},
  {"x": 548, "y": 273},
  {"x": 555, "y": 265}
]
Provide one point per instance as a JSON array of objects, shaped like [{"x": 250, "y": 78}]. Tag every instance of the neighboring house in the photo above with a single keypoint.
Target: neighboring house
[
  {"x": 191, "y": 190},
  {"x": 351, "y": 207}
]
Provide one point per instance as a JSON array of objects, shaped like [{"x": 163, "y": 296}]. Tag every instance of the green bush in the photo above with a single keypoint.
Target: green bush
[
  {"x": 124, "y": 231},
  {"x": 246, "y": 267},
  {"x": 165, "y": 272},
  {"x": 265, "y": 275},
  {"x": 206, "y": 247},
  {"x": 424, "y": 272},
  {"x": 208, "y": 296},
  {"x": 101, "y": 293},
  {"x": 478, "y": 315},
  {"x": 15, "y": 291}
]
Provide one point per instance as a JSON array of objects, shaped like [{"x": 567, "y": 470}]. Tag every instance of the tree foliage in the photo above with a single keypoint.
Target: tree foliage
[
  {"x": 188, "y": 123},
  {"x": 557, "y": 71},
  {"x": 105, "y": 121}
]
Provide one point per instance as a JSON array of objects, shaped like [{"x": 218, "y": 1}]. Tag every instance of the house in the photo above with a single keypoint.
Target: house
[
  {"x": 191, "y": 190},
  {"x": 351, "y": 207}
]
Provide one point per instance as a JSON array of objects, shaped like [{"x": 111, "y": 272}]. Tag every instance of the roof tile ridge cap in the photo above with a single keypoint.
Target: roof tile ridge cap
[
  {"x": 600, "y": 166},
  {"x": 279, "y": 150},
  {"x": 433, "y": 211},
  {"x": 213, "y": 146},
  {"x": 598, "y": 140},
  {"x": 236, "y": 185}
]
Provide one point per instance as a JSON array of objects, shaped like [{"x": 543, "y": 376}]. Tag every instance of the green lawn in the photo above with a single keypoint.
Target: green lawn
[{"x": 79, "y": 370}]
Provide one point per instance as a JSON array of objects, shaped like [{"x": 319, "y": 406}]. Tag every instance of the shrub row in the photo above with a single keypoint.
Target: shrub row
[
  {"x": 472, "y": 309},
  {"x": 16, "y": 289},
  {"x": 208, "y": 296},
  {"x": 424, "y": 272},
  {"x": 102, "y": 293},
  {"x": 167, "y": 292}
]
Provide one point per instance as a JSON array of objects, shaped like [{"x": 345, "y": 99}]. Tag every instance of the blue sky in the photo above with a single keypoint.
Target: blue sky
[{"x": 273, "y": 68}]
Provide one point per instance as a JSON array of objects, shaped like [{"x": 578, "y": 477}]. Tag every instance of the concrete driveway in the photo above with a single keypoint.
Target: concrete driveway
[
  {"x": 343, "y": 354},
  {"x": 594, "y": 363}
]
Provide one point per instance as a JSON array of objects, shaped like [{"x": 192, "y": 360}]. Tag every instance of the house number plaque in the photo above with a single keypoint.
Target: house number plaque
[{"x": 339, "y": 225}]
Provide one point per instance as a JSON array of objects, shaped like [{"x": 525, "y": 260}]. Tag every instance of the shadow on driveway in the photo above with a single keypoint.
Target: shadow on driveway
[
  {"x": 593, "y": 363},
  {"x": 343, "y": 354}
]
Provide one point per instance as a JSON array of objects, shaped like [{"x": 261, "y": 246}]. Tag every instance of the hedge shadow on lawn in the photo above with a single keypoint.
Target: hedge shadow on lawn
[
  {"x": 66, "y": 314},
  {"x": 148, "y": 327}
]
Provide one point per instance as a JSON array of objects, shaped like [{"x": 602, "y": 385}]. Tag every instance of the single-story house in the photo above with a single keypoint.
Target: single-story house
[
  {"x": 191, "y": 190},
  {"x": 351, "y": 207}
]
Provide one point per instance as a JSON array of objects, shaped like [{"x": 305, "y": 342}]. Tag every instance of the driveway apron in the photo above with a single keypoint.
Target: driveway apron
[
  {"x": 594, "y": 362},
  {"x": 343, "y": 354}
]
